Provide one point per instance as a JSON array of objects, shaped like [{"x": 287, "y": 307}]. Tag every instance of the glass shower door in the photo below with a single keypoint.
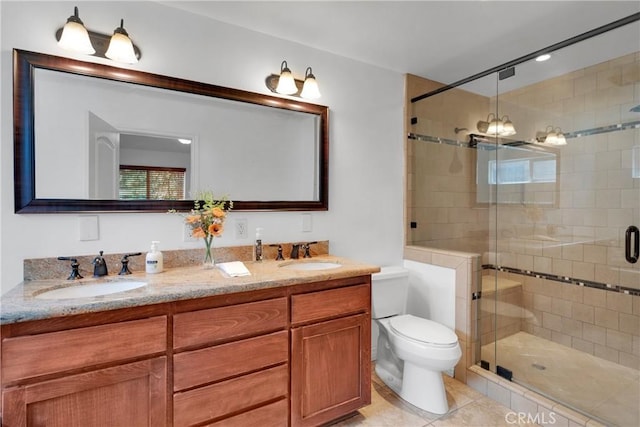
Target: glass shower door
[{"x": 567, "y": 213}]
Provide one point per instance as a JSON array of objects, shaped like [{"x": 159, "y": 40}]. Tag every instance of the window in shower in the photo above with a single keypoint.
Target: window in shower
[
  {"x": 522, "y": 171},
  {"x": 525, "y": 174}
]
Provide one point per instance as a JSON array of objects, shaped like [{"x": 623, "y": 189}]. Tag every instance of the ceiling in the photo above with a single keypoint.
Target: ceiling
[{"x": 444, "y": 41}]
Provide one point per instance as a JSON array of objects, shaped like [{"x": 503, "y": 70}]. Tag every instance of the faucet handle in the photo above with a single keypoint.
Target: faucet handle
[
  {"x": 75, "y": 273},
  {"x": 307, "y": 249},
  {"x": 125, "y": 263},
  {"x": 279, "y": 257}
]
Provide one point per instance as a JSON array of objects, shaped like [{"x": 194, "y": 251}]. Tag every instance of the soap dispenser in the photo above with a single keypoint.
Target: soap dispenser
[
  {"x": 154, "y": 261},
  {"x": 257, "y": 250}
]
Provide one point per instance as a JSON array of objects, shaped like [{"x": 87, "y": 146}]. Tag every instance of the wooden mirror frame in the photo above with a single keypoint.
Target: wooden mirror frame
[{"x": 24, "y": 65}]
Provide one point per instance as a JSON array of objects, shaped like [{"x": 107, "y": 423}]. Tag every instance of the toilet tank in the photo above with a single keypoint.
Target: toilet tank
[{"x": 389, "y": 290}]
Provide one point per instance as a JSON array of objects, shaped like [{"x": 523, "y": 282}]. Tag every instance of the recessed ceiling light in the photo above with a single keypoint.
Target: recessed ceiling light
[{"x": 543, "y": 58}]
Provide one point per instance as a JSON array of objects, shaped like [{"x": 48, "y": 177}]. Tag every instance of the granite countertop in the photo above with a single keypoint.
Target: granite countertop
[{"x": 181, "y": 283}]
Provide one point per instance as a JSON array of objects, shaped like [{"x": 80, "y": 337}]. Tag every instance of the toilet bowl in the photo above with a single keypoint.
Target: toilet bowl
[{"x": 412, "y": 351}]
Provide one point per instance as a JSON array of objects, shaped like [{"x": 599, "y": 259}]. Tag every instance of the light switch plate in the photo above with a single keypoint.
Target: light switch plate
[
  {"x": 306, "y": 223},
  {"x": 88, "y": 227}
]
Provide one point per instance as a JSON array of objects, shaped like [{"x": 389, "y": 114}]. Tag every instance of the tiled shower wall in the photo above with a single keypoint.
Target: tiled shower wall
[
  {"x": 583, "y": 236},
  {"x": 441, "y": 190},
  {"x": 603, "y": 323},
  {"x": 579, "y": 235}
]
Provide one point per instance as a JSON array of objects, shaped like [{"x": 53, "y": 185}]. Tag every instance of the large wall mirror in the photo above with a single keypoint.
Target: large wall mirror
[{"x": 90, "y": 137}]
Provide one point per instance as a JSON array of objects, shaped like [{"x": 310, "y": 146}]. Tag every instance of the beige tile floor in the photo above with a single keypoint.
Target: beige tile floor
[{"x": 467, "y": 407}]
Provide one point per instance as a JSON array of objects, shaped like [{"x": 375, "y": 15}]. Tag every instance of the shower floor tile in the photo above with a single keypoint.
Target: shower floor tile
[{"x": 594, "y": 386}]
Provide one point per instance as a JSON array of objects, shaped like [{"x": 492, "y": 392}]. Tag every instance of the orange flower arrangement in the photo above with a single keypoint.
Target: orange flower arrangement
[{"x": 206, "y": 219}]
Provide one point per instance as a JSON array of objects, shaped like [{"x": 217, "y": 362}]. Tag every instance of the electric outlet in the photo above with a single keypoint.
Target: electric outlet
[{"x": 241, "y": 228}]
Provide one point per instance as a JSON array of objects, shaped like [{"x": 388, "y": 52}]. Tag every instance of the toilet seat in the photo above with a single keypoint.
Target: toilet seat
[{"x": 423, "y": 331}]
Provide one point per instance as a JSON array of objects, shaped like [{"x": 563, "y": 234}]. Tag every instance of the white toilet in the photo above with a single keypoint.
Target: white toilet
[{"x": 412, "y": 352}]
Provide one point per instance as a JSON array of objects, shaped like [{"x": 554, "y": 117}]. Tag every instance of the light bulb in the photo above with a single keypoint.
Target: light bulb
[
  {"x": 120, "y": 46},
  {"x": 286, "y": 82}
]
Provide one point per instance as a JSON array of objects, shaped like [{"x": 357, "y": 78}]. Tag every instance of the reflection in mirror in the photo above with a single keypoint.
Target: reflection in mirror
[
  {"x": 120, "y": 137},
  {"x": 156, "y": 168}
]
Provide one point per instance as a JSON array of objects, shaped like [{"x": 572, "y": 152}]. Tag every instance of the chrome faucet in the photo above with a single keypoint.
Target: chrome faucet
[{"x": 99, "y": 266}]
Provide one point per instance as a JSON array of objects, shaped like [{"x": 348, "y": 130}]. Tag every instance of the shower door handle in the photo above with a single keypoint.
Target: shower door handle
[{"x": 632, "y": 232}]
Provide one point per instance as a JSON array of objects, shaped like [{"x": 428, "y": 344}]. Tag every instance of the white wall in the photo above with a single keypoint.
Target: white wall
[{"x": 364, "y": 220}]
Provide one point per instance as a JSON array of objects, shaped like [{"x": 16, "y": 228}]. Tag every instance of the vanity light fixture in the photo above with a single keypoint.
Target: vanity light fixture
[
  {"x": 496, "y": 126},
  {"x": 118, "y": 47},
  {"x": 507, "y": 127},
  {"x": 552, "y": 136},
  {"x": 285, "y": 84},
  {"x": 75, "y": 36},
  {"x": 556, "y": 137},
  {"x": 184, "y": 141}
]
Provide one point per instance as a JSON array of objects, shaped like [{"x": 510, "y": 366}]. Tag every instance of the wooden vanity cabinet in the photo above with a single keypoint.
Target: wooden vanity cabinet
[
  {"x": 288, "y": 356},
  {"x": 87, "y": 376},
  {"x": 330, "y": 354}
]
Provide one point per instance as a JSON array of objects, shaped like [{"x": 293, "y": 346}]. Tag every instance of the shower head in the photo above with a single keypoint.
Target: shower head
[{"x": 635, "y": 109}]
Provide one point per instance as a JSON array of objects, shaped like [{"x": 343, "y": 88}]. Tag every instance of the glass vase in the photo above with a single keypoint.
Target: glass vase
[{"x": 209, "y": 261}]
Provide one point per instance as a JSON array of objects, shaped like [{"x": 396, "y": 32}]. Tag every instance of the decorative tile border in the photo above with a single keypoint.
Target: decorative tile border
[
  {"x": 490, "y": 141},
  {"x": 438, "y": 140},
  {"x": 564, "y": 279},
  {"x": 603, "y": 129}
]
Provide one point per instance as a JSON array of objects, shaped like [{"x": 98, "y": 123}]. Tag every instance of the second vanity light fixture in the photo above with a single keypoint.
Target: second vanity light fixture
[
  {"x": 285, "y": 84},
  {"x": 496, "y": 126},
  {"x": 75, "y": 37},
  {"x": 552, "y": 136}
]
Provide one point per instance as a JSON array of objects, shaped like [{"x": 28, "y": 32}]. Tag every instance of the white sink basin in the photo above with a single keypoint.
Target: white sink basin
[
  {"x": 92, "y": 290},
  {"x": 311, "y": 265}
]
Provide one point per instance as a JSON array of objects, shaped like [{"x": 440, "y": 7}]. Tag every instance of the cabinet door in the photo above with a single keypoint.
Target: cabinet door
[
  {"x": 330, "y": 369},
  {"x": 126, "y": 395}
]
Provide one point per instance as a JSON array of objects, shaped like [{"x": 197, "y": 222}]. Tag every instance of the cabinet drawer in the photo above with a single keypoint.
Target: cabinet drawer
[
  {"x": 272, "y": 415},
  {"x": 34, "y": 355},
  {"x": 211, "y": 364},
  {"x": 330, "y": 303},
  {"x": 217, "y": 400},
  {"x": 218, "y": 324}
]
